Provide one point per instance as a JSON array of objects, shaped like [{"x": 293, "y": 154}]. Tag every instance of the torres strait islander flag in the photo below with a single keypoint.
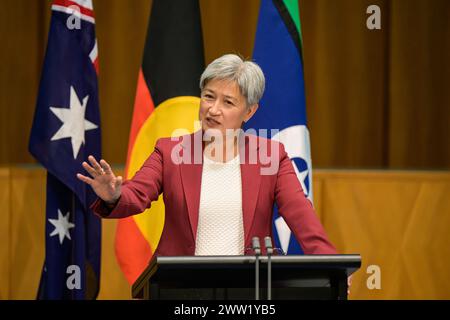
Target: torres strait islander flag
[
  {"x": 167, "y": 98},
  {"x": 278, "y": 50}
]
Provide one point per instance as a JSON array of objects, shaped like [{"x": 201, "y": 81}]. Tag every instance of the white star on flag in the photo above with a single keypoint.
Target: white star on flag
[
  {"x": 301, "y": 177},
  {"x": 62, "y": 226},
  {"x": 284, "y": 233},
  {"x": 74, "y": 124}
]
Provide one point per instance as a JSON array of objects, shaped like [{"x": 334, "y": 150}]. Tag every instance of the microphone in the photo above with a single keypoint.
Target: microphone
[
  {"x": 269, "y": 250},
  {"x": 257, "y": 249},
  {"x": 268, "y": 244},
  {"x": 256, "y": 246}
]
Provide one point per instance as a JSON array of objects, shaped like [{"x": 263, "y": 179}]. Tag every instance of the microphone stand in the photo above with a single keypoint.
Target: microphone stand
[
  {"x": 257, "y": 249},
  {"x": 269, "y": 250}
]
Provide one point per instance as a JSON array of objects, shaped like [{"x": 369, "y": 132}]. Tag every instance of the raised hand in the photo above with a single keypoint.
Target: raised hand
[{"x": 103, "y": 181}]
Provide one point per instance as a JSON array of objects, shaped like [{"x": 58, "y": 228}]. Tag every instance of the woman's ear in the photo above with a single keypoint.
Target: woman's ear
[{"x": 250, "y": 112}]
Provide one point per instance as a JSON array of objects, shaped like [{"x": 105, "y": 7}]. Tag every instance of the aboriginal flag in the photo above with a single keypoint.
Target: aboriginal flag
[{"x": 167, "y": 99}]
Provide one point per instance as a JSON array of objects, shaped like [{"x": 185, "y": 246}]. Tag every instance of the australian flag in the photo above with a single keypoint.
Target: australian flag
[
  {"x": 66, "y": 130},
  {"x": 278, "y": 50}
]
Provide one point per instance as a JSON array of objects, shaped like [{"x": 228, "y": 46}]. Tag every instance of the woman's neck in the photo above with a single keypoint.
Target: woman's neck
[{"x": 222, "y": 151}]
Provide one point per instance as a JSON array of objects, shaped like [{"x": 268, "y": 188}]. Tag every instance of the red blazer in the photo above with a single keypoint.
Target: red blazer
[{"x": 181, "y": 183}]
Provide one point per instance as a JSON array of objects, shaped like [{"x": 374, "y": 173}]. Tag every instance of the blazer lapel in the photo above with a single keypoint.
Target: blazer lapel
[
  {"x": 251, "y": 180},
  {"x": 191, "y": 178}
]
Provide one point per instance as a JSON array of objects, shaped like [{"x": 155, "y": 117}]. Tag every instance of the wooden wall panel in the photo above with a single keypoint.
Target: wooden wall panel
[
  {"x": 5, "y": 233},
  {"x": 419, "y": 98},
  {"x": 375, "y": 98},
  {"x": 27, "y": 238},
  {"x": 345, "y": 75},
  {"x": 395, "y": 220}
]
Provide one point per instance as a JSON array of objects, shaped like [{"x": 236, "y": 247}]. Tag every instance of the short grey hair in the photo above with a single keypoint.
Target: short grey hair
[{"x": 247, "y": 74}]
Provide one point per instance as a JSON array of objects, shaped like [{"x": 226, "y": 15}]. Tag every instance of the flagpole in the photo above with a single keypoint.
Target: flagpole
[{"x": 73, "y": 242}]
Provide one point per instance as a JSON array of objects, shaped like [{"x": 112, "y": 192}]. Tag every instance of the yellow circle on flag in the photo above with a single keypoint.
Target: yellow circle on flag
[{"x": 173, "y": 117}]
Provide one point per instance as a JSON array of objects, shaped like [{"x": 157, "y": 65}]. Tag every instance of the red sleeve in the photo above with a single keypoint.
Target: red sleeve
[
  {"x": 137, "y": 193},
  {"x": 298, "y": 211}
]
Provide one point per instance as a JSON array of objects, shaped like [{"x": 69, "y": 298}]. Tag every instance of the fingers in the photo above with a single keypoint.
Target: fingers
[
  {"x": 95, "y": 165},
  {"x": 84, "y": 179},
  {"x": 99, "y": 168},
  {"x": 106, "y": 167},
  {"x": 89, "y": 169}
]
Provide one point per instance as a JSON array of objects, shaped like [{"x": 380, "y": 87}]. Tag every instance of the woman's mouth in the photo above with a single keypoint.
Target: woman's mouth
[{"x": 212, "y": 122}]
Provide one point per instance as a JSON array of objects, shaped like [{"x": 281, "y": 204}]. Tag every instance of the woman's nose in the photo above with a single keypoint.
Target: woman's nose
[{"x": 215, "y": 108}]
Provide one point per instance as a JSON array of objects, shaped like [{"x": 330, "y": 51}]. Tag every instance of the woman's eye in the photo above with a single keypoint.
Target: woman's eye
[{"x": 229, "y": 103}]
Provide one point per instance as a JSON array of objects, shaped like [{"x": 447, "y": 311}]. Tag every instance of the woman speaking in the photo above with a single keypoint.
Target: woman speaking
[{"x": 219, "y": 184}]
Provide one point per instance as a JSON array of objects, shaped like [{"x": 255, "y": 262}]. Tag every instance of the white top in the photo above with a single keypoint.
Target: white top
[{"x": 220, "y": 229}]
